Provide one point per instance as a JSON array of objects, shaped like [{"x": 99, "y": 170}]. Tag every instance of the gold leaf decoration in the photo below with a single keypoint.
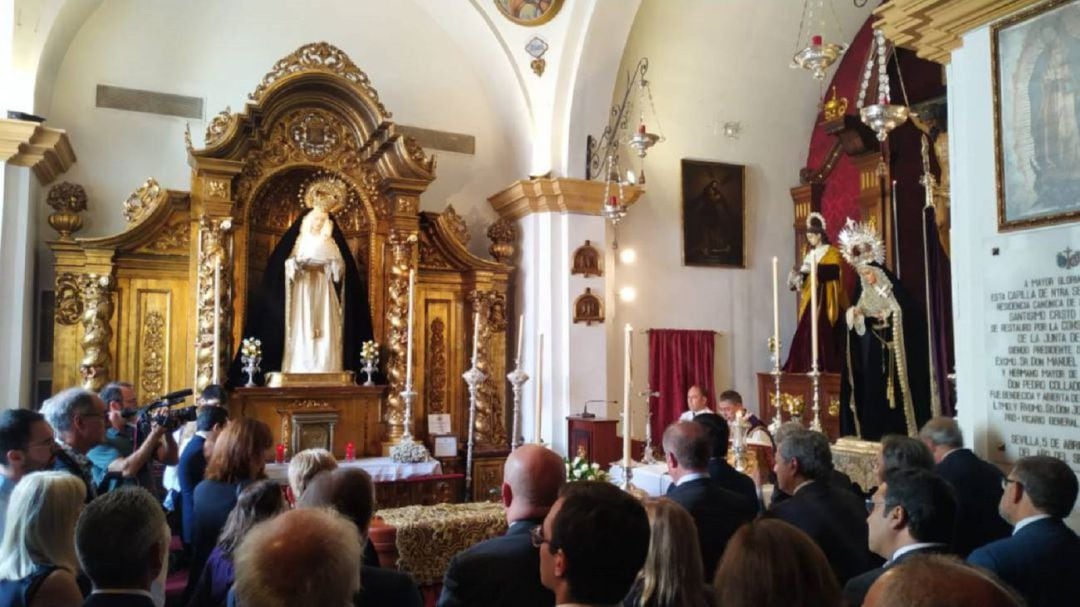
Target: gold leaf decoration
[
  {"x": 319, "y": 57},
  {"x": 152, "y": 352},
  {"x": 143, "y": 200}
]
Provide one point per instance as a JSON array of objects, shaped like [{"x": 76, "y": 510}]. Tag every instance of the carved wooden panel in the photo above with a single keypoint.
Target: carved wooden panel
[
  {"x": 151, "y": 340},
  {"x": 441, "y": 389},
  {"x": 487, "y": 478}
]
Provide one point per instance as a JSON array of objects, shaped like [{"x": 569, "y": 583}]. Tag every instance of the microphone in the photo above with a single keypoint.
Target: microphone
[
  {"x": 178, "y": 396},
  {"x": 588, "y": 415}
]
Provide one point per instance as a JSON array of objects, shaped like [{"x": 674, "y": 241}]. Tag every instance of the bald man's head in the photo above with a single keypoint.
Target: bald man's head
[
  {"x": 937, "y": 580},
  {"x": 532, "y": 478}
]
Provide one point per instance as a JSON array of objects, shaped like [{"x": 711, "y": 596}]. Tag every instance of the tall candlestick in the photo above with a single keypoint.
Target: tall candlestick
[
  {"x": 475, "y": 336},
  {"x": 521, "y": 333},
  {"x": 814, "y": 311},
  {"x": 408, "y": 340},
  {"x": 539, "y": 388},
  {"x": 627, "y": 379},
  {"x": 217, "y": 323},
  {"x": 776, "y": 302}
]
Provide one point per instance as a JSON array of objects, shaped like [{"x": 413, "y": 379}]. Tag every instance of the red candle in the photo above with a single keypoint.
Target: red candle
[
  {"x": 641, "y": 128},
  {"x": 280, "y": 454},
  {"x": 350, "y": 452},
  {"x": 816, "y": 40}
]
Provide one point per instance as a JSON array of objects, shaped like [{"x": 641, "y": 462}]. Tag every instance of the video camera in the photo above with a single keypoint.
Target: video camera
[{"x": 170, "y": 418}]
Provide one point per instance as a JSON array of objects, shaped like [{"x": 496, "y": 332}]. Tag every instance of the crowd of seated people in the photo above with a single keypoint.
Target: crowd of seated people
[{"x": 82, "y": 523}]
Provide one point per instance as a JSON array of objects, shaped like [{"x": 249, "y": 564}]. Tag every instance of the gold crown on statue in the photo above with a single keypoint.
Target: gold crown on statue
[
  {"x": 860, "y": 244},
  {"x": 836, "y": 107},
  {"x": 328, "y": 194}
]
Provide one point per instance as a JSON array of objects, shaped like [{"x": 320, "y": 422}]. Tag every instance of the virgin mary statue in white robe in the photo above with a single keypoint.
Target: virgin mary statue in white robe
[{"x": 313, "y": 300}]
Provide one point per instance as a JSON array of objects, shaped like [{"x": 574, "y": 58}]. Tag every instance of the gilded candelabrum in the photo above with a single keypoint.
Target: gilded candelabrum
[
  {"x": 517, "y": 379},
  {"x": 648, "y": 454},
  {"x": 815, "y": 388}
]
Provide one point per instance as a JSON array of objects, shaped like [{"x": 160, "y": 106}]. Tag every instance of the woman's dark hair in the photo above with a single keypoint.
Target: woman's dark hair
[
  {"x": 258, "y": 502},
  {"x": 770, "y": 563}
]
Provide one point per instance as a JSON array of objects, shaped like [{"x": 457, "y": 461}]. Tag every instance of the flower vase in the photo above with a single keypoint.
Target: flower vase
[
  {"x": 251, "y": 367},
  {"x": 368, "y": 369}
]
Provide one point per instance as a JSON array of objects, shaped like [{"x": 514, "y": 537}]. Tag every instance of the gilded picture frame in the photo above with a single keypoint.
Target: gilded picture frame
[
  {"x": 1036, "y": 90},
  {"x": 713, "y": 214},
  {"x": 529, "y": 13}
]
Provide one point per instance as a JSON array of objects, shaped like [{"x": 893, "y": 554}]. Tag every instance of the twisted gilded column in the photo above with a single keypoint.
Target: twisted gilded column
[
  {"x": 402, "y": 256},
  {"x": 490, "y": 424},
  {"x": 213, "y": 301},
  {"x": 96, "y": 294}
]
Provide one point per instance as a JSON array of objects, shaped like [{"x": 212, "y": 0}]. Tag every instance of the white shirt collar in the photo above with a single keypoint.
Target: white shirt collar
[
  {"x": 800, "y": 486},
  {"x": 203, "y": 433},
  {"x": 1027, "y": 521},
  {"x": 916, "y": 546},
  {"x": 693, "y": 476}
]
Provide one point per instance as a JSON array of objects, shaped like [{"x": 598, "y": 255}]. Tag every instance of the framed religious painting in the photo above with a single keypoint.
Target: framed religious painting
[
  {"x": 713, "y": 214},
  {"x": 1036, "y": 72},
  {"x": 529, "y": 12}
]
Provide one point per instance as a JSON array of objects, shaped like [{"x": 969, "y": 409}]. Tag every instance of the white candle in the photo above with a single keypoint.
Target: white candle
[
  {"x": 408, "y": 339},
  {"x": 539, "y": 387},
  {"x": 475, "y": 336},
  {"x": 813, "y": 311},
  {"x": 626, "y": 398},
  {"x": 521, "y": 333},
  {"x": 776, "y": 303}
]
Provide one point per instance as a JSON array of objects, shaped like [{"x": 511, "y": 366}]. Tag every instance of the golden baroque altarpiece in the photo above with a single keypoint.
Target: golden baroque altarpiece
[{"x": 163, "y": 303}]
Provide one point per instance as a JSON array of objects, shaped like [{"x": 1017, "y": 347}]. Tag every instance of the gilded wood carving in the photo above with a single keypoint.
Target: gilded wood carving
[
  {"x": 69, "y": 305},
  {"x": 96, "y": 293},
  {"x": 490, "y": 412},
  {"x": 152, "y": 377},
  {"x": 143, "y": 200},
  {"x": 436, "y": 367}
]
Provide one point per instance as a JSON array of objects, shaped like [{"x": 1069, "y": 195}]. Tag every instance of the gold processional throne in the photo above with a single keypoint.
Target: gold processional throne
[{"x": 162, "y": 304}]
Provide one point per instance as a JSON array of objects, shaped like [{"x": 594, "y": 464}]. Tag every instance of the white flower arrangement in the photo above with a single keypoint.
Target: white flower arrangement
[
  {"x": 369, "y": 350},
  {"x": 579, "y": 469},
  {"x": 251, "y": 347}
]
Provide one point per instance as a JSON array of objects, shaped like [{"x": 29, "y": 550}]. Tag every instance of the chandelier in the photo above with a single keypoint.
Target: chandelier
[
  {"x": 813, "y": 52},
  {"x": 604, "y": 154},
  {"x": 882, "y": 117}
]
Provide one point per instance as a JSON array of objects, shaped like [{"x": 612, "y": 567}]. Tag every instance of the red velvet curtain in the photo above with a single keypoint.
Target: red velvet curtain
[{"x": 678, "y": 359}]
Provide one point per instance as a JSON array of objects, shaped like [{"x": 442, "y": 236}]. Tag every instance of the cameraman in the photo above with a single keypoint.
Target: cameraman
[{"x": 124, "y": 457}]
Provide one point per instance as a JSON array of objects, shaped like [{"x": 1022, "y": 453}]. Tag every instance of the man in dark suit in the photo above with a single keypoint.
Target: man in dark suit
[
  {"x": 351, "y": 492},
  {"x": 834, "y": 518},
  {"x": 717, "y": 512},
  {"x": 719, "y": 469},
  {"x": 1042, "y": 558},
  {"x": 913, "y": 512},
  {"x": 210, "y": 421},
  {"x": 122, "y": 539},
  {"x": 977, "y": 484},
  {"x": 504, "y": 571}
]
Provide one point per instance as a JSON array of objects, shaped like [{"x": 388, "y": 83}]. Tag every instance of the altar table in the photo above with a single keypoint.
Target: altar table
[
  {"x": 421, "y": 540},
  {"x": 381, "y": 469},
  {"x": 652, "y": 479}
]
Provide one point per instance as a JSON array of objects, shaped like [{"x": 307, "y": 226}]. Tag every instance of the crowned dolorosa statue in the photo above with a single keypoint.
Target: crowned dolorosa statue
[
  {"x": 832, "y": 301},
  {"x": 311, "y": 306},
  {"x": 885, "y": 384}
]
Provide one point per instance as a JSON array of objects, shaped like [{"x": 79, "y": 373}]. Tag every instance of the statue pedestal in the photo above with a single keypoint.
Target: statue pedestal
[
  {"x": 796, "y": 394},
  {"x": 353, "y": 411},
  {"x": 290, "y": 380}
]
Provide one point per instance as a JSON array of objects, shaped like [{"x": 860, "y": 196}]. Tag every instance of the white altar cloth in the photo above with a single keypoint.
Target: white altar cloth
[
  {"x": 381, "y": 469},
  {"x": 652, "y": 479}
]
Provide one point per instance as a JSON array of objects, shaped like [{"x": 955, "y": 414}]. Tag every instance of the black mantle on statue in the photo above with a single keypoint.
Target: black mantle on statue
[{"x": 265, "y": 318}]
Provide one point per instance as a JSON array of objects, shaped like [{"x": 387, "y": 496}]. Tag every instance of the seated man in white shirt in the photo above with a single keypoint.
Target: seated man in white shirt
[
  {"x": 912, "y": 512},
  {"x": 697, "y": 402}
]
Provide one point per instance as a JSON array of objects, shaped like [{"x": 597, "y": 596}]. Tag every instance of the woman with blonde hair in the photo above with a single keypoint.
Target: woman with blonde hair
[
  {"x": 673, "y": 575},
  {"x": 38, "y": 563},
  {"x": 237, "y": 461},
  {"x": 770, "y": 563},
  {"x": 304, "y": 466}
]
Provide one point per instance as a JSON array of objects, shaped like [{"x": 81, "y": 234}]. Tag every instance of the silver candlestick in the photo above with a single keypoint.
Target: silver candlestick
[
  {"x": 408, "y": 450},
  {"x": 517, "y": 379},
  {"x": 473, "y": 377},
  {"x": 815, "y": 387},
  {"x": 648, "y": 454},
  {"x": 778, "y": 406}
]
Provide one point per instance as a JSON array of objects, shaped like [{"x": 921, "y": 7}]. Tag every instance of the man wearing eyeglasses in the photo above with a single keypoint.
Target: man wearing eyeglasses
[
  {"x": 1041, "y": 559},
  {"x": 504, "y": 571},
  {"x": 26, "y": 445},
  {"x": 77, "y": 416},
  {"x": 913, "y": 512}
]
